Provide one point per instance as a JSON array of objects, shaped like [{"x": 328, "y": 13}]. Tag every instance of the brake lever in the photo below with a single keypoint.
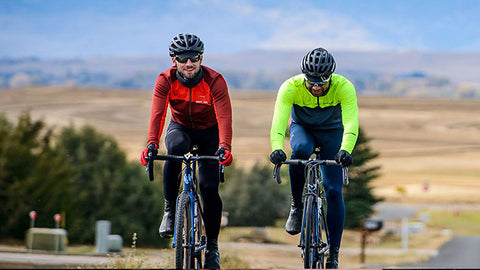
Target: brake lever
[
  {"x": 345, "y": 176},
  {"x": 276, "y": 173}
]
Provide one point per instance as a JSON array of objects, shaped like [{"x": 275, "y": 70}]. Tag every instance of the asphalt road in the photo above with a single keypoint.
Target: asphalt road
[{"x": 460, "y": 252}]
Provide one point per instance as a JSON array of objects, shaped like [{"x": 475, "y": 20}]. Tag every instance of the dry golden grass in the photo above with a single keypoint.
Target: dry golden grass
[
  {"x": 422, "y": 142},
  {"x": 425, "y": 143}
]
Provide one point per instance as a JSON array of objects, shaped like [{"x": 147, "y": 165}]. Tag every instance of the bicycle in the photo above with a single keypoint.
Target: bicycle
[
  {"x": 313, "y": 242},
  {"x": 189, "y": 239}
]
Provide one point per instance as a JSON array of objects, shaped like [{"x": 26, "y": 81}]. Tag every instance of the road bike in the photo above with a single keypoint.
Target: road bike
[
  {"x": 189, "y": 239},
  {"x": 314, "y": 237}
]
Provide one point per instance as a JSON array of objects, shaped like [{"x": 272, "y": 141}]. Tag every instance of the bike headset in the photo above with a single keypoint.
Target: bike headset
[
  {"x": 318, "y": 65},
  {"x": 185, "y": 43}
]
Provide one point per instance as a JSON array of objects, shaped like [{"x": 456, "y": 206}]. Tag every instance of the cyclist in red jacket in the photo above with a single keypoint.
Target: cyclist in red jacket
[{"x": 201, "y": 115}]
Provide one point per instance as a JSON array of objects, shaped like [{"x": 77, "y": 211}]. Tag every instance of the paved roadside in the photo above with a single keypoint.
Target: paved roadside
[
  {"x": 49, "y": 261},
  {"x": 20, "y": 258}
]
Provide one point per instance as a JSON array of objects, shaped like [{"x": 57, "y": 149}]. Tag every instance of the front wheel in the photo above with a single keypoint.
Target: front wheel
[
  {"x": 184, "y": 243},
  {"x": 309, "y": 256}
]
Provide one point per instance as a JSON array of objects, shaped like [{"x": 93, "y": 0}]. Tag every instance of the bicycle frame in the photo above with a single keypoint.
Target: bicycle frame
[
  {"x": 192, "y": 218},
  {"x": 311, "y": 242}
]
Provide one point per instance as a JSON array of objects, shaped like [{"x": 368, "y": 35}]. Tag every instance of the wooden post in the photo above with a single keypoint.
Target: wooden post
[{"x": 363, "y": 244}]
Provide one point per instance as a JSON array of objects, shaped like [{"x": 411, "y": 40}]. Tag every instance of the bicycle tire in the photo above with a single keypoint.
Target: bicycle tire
[
  {"x": 309, "y": 243},
  {"x": 184, "y": 248}
]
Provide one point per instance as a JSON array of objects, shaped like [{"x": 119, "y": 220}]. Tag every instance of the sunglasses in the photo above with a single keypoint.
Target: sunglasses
[
  {"x": 184, "y": 59},
  {"x": 324, "y": 81}
]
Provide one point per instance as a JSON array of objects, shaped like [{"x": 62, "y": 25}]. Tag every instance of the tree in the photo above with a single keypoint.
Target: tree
[
  {"x": 32, "y": 176},
  {"x": 358, "y": 196}
]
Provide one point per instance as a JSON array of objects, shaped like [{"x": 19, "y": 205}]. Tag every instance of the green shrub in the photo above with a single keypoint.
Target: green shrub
[{"x": 254, "y": 198}]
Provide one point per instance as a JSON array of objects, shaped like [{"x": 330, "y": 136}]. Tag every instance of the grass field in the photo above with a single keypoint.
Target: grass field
[{"x": 429, "y": 149}]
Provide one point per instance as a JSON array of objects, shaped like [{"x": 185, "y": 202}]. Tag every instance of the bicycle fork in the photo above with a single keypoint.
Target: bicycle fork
[
  {"x": 202, "y": 242},
  {"x": 321, "y": 219}
]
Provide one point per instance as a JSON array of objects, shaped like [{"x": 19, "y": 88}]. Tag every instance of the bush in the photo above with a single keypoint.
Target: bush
[{"x": 254, "y": 198}]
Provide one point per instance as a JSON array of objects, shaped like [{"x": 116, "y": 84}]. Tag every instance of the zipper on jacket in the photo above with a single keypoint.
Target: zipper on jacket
[{"x": 190, "y": 109}]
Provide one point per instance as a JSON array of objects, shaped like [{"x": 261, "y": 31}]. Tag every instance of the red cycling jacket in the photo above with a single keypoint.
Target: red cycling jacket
[{"x": 200, "y": 107}]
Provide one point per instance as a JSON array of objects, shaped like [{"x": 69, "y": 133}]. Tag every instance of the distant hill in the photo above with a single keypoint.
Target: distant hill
[{"x": 424, "y": 74}]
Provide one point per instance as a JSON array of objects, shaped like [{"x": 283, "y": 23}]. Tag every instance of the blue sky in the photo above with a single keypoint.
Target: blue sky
[{"x": 91, "y": 28}]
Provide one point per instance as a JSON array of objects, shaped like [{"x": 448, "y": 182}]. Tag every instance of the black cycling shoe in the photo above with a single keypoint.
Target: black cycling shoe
[
  {"x": 332, "y": 259},
  {"x": 294, "y": 221},
  {"x": 212, "y": 256},
  {"x": 168, "y": 222}
]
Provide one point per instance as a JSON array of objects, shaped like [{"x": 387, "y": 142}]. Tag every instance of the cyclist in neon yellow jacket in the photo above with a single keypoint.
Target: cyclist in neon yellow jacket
[{"x": 324, "y": 112}]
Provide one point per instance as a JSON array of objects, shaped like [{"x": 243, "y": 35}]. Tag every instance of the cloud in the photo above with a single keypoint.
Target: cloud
[{"x": 317, "y": 28}]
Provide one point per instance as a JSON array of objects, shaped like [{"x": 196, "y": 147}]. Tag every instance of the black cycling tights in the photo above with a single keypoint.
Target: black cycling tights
[{"x": 179, "y": 140}]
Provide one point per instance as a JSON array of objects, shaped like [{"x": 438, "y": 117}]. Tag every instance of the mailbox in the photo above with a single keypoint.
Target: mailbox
[{"x": 372, "y": 224}]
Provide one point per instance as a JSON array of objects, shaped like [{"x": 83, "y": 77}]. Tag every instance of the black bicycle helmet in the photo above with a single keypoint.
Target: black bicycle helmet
[
  {"x": 182, "y": 43},
  {"x": 318, "y": 65}
]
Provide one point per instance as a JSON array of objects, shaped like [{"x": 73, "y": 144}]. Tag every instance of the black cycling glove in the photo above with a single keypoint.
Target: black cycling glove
[
  {"x": 278, "y": 156},
  {"x": 344, "y": 158}
]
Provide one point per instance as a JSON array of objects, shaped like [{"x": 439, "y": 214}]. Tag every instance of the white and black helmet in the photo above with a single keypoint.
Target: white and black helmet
[
  {"x": 183, "y": 43},
  {"x": 318, "y": 65}
]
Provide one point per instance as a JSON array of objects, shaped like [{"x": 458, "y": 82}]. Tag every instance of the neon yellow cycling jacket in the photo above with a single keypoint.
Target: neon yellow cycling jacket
[{"x": 338, "y": 107}]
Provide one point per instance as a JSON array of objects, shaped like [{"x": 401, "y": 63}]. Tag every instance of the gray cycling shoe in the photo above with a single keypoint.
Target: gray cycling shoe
[
  {"x": 294, "y": 221},
  {"x": 168, "y": 222}
]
